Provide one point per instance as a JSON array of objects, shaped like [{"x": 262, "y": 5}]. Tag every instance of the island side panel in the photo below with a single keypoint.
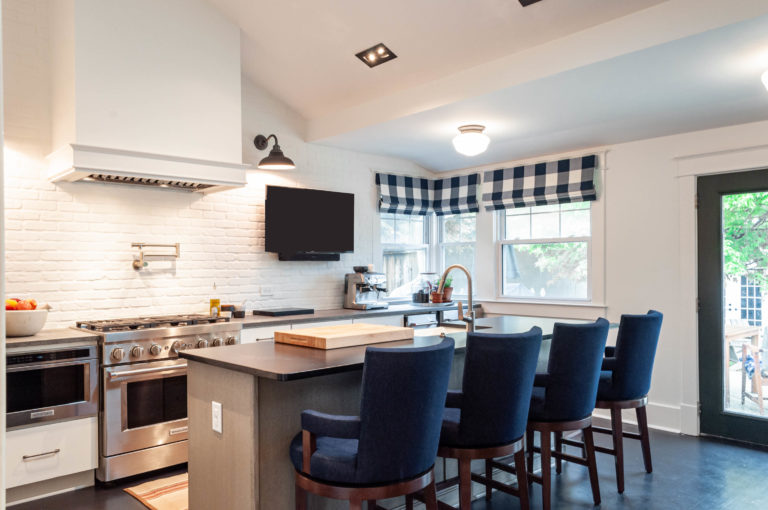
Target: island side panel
[
  {"x": 223, "y": 467},
  {"x": 280, "y": 405}
]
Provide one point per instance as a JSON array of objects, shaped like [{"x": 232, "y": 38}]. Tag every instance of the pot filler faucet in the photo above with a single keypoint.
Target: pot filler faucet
[{"x": 470, "y": 318}]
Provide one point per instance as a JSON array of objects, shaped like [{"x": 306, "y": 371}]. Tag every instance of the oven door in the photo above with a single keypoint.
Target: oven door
[
  {"x": 145, "y": 405},
  {"x": 43, "y": 392}
]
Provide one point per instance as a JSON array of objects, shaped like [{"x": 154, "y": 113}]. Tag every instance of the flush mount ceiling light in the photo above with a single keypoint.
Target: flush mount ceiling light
[
  {"x": 276, "y": 159},
  {"x": 471, "y": 140},
  {"x": 765, "y": 79},
  {"x": 375, "y": 55}
]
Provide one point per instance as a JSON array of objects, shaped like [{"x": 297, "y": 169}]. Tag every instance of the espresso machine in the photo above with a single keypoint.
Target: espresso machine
[{"x": 362, "y": 290}]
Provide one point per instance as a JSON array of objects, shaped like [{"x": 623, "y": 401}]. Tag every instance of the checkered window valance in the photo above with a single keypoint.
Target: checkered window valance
[
  {"x": 552, "y": 182},
  {"x": 414, "y": 195}
]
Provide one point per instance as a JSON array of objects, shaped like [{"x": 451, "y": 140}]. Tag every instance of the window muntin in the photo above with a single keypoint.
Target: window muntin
[{"x": 546, "y": 252}]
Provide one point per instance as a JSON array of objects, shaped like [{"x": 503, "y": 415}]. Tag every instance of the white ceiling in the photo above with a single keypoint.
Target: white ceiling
[
  {"x": 303, "y": 51},
  {"x": 703, "y": 81},
  {"x": 560, "y": 75}
]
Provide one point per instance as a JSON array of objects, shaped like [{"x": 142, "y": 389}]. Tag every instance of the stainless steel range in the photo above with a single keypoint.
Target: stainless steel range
[{"x": 143, "y": 409}]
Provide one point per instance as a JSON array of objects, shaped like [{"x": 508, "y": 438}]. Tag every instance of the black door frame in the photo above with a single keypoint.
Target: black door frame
[{"x": 714, "y": 420}]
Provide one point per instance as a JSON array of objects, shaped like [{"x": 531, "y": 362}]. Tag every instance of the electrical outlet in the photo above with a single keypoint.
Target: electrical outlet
[
  {"x": 266, "y": 290},
  {"x": 216, "y": 416}
]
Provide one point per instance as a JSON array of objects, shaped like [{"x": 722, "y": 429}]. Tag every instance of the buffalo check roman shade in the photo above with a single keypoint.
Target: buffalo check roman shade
[
  {"x": 414, "y": 195},
  {"x": 552, "y": 182}
]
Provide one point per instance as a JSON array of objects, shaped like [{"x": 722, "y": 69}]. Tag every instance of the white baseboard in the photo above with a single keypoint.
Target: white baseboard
[{"x": 660, "y": 417}]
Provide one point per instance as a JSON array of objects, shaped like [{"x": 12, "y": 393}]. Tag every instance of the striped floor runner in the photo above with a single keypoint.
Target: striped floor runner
[{"x": 164, "y": 494}]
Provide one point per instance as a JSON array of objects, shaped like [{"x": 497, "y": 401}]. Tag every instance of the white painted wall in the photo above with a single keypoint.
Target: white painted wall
[{"x": 69, "y": 244}]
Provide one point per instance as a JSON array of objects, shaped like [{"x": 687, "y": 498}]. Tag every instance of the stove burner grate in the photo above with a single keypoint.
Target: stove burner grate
[{"x": 168, "y": 321}]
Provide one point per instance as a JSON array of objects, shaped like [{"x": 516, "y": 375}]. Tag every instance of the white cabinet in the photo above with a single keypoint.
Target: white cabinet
[
  {"x": 386, "y": 320},
  {"x": 251, "y": 335},
  {"x": 48, "y": 451},
  {"x": 320, "y": 324}
]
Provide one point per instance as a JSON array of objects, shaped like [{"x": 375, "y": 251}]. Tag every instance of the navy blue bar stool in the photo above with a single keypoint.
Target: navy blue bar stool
[
  {"x": 390, "y": 449},
  {"x": 487, "y": 418},
  {"x": 624, "y": 383},
  {"x": 563, "y": 400}
]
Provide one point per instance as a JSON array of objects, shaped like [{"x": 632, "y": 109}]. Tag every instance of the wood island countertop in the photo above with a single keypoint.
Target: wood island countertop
[{"x": 284, "y": 362}]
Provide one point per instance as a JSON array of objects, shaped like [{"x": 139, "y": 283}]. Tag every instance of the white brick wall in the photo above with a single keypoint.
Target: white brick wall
[{"x": 70, "y": 244}]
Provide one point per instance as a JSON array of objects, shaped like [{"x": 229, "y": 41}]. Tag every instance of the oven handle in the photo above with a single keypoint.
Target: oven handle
[
  {"x": 115, "y": 376},
  {"x": 43, "y": 366}
]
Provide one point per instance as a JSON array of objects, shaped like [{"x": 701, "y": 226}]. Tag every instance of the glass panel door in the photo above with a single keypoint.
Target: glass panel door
[
  {"x": 745, "y": 274},
  {"x": 733, "y": 277}
]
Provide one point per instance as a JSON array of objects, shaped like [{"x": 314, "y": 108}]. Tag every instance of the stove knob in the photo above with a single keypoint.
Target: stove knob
[
  {"x": 155, "y": 349},
  {"x": 217, "y": 342},
  {"x": 137, "y": 351},
  {"x": 202, "y": 343},
  {"x": 118, "y": 353},
  {"x": 177, "y": 346},
  {"x": 231, "y": 340}
]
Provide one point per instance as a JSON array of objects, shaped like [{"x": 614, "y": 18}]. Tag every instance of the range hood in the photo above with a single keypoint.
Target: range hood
[
  {"x": 146, "y": 93},
  {"x": 75, "y": 162}
]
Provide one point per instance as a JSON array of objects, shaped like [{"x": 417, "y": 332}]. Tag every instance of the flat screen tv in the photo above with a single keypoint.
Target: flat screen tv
[{"x": 309, "y": 224}]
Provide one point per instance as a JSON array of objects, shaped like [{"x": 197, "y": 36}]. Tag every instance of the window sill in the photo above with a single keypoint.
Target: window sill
[
  {"x": 540, "y": 302},
  {"x": 561, "y": 309}
]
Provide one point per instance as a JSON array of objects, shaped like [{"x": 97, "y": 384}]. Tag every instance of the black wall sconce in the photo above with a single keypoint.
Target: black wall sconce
[{"x": 276, "y": 159}]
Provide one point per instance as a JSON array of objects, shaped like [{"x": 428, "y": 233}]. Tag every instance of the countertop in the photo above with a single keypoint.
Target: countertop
[
  {"x": 254, "y": 321},
  {"x": 68, "y": 335},
  {"x": 288, "y": 362},
  {"x": 52, "y": 336}
]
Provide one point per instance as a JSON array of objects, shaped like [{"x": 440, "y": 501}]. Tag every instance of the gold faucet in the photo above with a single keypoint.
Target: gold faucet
[{"x": 470, "y": 318}]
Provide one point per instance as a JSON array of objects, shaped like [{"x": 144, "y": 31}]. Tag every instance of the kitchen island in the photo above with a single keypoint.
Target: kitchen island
[{"x": 263, "y": 388}]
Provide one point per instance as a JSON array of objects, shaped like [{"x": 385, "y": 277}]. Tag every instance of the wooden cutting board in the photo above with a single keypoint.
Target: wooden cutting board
[{"x": 343, "y": 335}]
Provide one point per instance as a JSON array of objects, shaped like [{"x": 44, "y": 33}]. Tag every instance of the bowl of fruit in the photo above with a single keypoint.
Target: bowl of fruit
[{"x": 23, "y": 317}]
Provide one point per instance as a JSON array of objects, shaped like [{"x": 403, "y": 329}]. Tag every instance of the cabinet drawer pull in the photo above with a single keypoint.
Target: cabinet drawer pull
[{"x": 26, "y": 458}]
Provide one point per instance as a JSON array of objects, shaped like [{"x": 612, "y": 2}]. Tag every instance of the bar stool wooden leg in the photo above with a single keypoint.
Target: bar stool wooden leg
[
  {"x": 465, "y": 484},
  {"x": 371, "y": 504},
  {"x": 301, "y": 498},
  {"x": 522, "y": 481},
  {"x": 559, "y": 449},
  {"x": 430, "y": 496},
  {"x": 618, "y": 447},
  {"x": 589, "y": 443},
  {"x": 355, "y": 504},
  {"x": 546, "y": 470},
  {"x": 489, "y": 475},
  {"x": 409, "y": 501},
  {"x": 645, "y": 440}
]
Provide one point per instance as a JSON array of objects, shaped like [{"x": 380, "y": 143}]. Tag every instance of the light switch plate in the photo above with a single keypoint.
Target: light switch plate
[
  {"x": 266, "y": 290},
  {"x": 216, "y": 416}
]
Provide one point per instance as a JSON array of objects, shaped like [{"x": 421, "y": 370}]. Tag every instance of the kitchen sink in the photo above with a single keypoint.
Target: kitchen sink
[{"x": 460, "y": 325}]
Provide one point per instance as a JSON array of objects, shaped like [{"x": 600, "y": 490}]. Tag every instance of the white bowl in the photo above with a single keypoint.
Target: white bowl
[{"x": 24, "y": 322}]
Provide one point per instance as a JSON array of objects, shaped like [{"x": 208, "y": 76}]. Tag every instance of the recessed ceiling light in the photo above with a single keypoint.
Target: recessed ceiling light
[
  {"x": 375, "y": 55},
  {"x": 471, "y": 140}
]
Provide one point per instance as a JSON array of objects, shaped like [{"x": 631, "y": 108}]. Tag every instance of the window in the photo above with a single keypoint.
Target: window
[
  {"x": 405, "y": 242},
  {"x": 415, "y": 244},
  {"x": 546, "y": 252},
  {"x": 457, "y": 246}
]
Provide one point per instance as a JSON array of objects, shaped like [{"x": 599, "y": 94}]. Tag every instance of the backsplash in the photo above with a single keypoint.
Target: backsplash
[{"x": 70, "y": 244}]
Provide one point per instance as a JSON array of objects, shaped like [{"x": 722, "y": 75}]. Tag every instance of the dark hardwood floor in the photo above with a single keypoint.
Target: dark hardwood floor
[{"x": 689, "y": 473}]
